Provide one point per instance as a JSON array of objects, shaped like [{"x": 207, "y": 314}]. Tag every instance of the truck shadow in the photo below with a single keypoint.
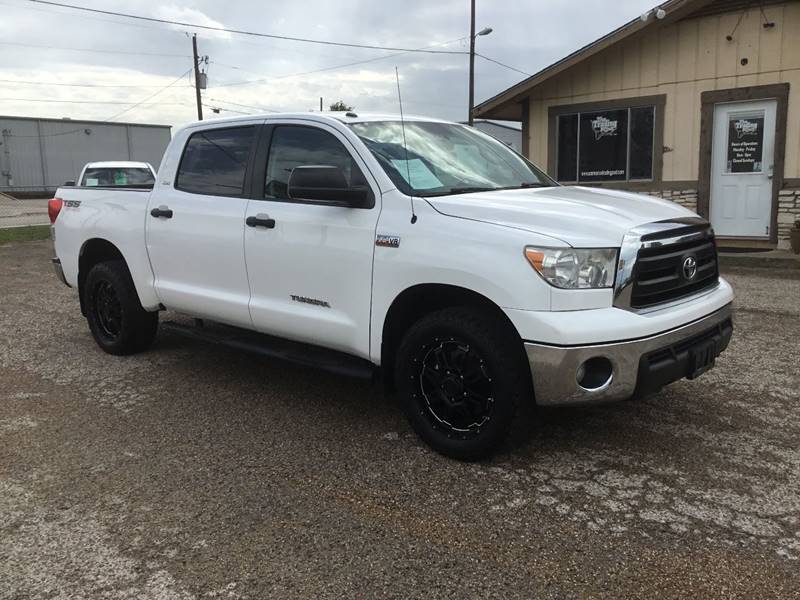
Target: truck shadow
[{"x": 262, "y": 393}]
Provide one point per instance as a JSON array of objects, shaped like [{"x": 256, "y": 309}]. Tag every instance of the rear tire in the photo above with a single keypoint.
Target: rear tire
[
  {"x": 463, "y": 378},
  {"x": 116, "y": 318}
]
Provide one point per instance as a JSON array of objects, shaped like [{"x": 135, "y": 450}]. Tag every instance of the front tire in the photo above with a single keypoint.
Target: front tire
[
  {"x": 462, "y": 378},
  {"x": 116, "y": 319}
]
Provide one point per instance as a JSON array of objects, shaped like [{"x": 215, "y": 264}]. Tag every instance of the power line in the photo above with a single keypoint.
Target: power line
[
  {"x": 216, "y": 109},
  {"x": 87, "y": 85},
  {"x": 243, "y": 105},
  {"x": 324, "y": 69},
  {"x": 151, "y": 96},
  {"x": 115, "y": 116},
  {"x": 241, "y": 31},
  {"x": 97, "y": 50},
  {"x": 497, "y": 62},
  {"x": 81, "y": 101}
]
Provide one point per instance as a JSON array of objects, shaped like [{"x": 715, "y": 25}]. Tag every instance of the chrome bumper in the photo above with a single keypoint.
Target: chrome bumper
[
  {"x": 555, "y": 369},
  {"x": 59, "y": 271}
]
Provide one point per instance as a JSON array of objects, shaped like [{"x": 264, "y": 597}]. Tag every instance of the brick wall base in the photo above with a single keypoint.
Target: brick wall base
[
  {"x": 788, "y": 208},
  {"x": 686, "y": 198},
  {"x": 788, "y": 213}
]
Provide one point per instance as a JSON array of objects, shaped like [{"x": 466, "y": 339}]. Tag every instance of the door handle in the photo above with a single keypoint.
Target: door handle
[
  {"x": 260, "y": 221},
  {"x": 161, "y": 211}
]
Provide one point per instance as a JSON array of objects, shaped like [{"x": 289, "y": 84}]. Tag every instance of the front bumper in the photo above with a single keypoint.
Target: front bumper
[{"x": 632, "y": 366}]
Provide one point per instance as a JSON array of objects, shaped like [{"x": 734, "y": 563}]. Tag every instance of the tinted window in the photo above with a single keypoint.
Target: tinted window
[
  {"x": 215, "y": 161},
  {"x": 294, "y": 146},
  {"x": 607, "y": 145},
  {"x": 568, "y": 148},
  {"x": 117, "y": 177},
  {"x": 641, "y": 153}
]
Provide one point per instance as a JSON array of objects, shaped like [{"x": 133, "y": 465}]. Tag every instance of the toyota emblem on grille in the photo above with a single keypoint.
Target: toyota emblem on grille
[{"x": 689, "y": 267}]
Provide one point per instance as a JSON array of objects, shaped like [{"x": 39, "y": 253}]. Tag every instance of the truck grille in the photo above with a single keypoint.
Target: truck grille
[{"x": 685, "y": 263}]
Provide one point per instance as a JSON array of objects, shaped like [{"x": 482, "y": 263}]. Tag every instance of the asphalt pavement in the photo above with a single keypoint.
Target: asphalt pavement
[{"x": 192, "y": 471}]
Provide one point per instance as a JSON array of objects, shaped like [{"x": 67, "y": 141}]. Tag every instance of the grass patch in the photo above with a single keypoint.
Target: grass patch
[{"x": 24, "y": 234}]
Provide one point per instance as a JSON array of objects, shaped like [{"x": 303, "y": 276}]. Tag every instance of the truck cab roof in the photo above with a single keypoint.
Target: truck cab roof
[
  {"x": 117, "y": 164},
  {"x": 319, "y": 117}
]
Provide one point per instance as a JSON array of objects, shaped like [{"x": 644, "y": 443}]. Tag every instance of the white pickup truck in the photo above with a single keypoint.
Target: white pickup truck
[{"x": 419, "y": 249}]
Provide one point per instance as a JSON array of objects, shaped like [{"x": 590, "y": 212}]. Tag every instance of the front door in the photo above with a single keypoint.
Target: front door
[
  {"x": 310, "y": 262},
  {"x": 742, "y": 161}
]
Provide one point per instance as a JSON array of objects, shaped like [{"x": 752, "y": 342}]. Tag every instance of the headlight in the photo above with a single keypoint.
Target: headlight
[{"x": 574, "y": 268}]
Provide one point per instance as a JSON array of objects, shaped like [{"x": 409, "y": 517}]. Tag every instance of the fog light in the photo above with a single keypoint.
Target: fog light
[{"x": 594, "y": 373}]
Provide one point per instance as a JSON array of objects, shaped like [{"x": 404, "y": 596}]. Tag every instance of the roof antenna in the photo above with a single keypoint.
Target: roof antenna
[{"x": 405, "y": 147}]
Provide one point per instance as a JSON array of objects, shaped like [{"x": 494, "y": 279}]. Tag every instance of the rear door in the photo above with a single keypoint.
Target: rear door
[
  {"x": 195, "y": 225},
  {"x": 311, "y": 271}
]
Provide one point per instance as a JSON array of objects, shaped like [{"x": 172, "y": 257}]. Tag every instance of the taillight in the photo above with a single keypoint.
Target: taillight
[{"x": 53, "y": 208}]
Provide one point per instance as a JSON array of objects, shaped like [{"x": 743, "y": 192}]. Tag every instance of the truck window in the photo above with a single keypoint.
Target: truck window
[
  {"x": 293, "y": 146},
  {"x": 118, "y": 177},
  {"x": 214, "y": 162}
]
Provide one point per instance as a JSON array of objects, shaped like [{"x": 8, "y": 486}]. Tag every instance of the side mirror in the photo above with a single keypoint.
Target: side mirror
[
  {"x": 69, "y": 183},
  {"x": 327, "y": 183}
]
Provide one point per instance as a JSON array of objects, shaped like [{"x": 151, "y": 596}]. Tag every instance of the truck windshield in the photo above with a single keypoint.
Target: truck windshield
[
  {"x": 440, "y": 159},
  {"x": 118, "y": 177}
]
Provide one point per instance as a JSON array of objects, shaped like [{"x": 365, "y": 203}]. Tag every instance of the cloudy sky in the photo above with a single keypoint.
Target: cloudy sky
[{"x": 103, "y": 62}]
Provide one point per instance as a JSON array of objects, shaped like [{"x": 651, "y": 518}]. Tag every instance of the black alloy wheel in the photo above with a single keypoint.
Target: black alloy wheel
[
  {"x": 463, "y": 378},
  {"x": 454, "y": 381},
  {"x": 108, "y": 308}
]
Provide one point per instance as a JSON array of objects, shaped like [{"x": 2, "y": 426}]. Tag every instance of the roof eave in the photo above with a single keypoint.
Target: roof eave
[{"x": 508, "y": 102}]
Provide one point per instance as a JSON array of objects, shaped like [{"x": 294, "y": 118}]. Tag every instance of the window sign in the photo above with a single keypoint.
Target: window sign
[
  {"x": 745, "y": 144},
  {"x": 608, "y": 145},
  {"x": 416, "y": 171},
  {"x": 603, "y": 140}
]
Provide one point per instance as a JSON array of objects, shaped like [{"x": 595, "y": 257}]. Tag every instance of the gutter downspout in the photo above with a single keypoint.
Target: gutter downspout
[{"x": 7, "y": 159}]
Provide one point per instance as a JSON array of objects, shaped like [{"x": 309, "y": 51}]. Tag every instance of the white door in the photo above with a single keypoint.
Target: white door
[
  {"x": 742, "y": 160},
  {"x": 310, "y": 263},
  {"x": 195, "y": 227}
]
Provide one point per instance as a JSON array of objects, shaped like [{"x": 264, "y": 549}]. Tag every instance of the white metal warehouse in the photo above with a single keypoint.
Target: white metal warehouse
[{"x": 38, "y": 155}]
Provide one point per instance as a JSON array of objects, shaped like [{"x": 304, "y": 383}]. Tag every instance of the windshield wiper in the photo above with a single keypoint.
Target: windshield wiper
[
  {"x": 459, "y": 190},
  {"x": 527, "y": 184}
]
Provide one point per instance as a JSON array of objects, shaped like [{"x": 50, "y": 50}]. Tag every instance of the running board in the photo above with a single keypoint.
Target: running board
[{"x": 274, "y": 347}]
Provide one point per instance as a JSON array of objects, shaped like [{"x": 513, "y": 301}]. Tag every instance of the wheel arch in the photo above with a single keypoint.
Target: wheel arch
[
  {"x": 92, "y": 252},
  {"x": 419, "y": 300}
]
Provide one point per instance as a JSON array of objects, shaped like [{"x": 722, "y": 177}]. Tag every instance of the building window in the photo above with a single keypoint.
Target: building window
[{"x": 606, "y": 145}]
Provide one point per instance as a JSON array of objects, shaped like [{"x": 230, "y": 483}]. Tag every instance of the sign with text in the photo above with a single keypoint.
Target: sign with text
[
  {"x": 745, "y": 144},
  {"x": 603, "y": 145}
]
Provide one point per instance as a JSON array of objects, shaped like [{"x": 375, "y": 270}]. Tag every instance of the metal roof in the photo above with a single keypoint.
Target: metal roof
[{"x": 82, "y": 121}]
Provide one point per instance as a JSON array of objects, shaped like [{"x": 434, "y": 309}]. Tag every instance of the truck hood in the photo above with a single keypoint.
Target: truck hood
[{"x": 579, "y": 216}]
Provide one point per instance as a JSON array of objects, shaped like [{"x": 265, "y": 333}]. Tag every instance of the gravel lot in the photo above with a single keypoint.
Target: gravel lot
[{"x": 196, "y": 472}]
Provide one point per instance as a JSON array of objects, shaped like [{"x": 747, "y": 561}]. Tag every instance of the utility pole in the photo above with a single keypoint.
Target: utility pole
[
  {"x": 197, "y": 78},
  {"x": 471, "y": 61},
  {"x": 320, "y": 104}
]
